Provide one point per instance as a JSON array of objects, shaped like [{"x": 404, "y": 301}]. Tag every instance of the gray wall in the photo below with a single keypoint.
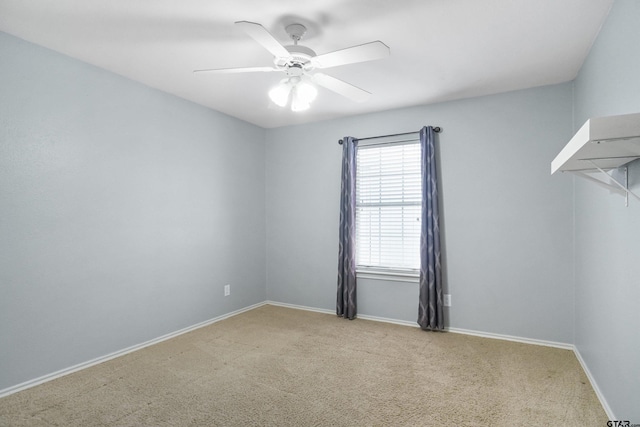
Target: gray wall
[
  {"x": 507, "y": 223},
  {"x": 607, "y": 233},
  {"x": 123, "y": 212}
]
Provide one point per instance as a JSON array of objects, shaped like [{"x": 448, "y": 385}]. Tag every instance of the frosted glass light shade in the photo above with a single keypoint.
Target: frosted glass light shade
[
  {"x": 305, "y": 92},
  {"x": 280, "y": 94}
]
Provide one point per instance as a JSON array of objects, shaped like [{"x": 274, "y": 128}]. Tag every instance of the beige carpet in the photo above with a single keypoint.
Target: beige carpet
[{"x": 275, "y": 366}]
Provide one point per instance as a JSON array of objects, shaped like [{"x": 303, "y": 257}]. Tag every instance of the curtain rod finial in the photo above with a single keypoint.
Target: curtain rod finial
[
  {"x": 340, "y": 141},
  {"x": 437, "y": 129}
]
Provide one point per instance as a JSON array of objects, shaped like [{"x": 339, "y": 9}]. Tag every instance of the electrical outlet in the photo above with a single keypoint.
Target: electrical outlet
[
  {"x": 227, "y": 290},
  {"x": 447, "y": 300}
]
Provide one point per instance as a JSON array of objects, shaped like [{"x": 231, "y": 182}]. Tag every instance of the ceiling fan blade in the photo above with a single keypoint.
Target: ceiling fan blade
[
  {"x": 351, "y": 55},
  {"x": 264, "y": 37},
  {"x": 238, "y": 70},
  {"x": 341, "y": 87}
]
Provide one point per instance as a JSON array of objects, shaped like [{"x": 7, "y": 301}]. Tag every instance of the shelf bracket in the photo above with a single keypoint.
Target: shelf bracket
[{"x": 608, "y": 181}]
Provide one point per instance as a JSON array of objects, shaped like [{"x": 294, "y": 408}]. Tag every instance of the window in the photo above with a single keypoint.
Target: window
[{"x": 388, "y": 208}]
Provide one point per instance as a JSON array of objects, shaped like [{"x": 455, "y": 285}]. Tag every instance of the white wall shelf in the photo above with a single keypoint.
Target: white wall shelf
[{"x": 600, "y": 149}]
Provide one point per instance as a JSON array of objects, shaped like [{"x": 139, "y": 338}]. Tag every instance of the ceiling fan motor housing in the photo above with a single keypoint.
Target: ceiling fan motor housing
[{"x": 300, "y": 59}]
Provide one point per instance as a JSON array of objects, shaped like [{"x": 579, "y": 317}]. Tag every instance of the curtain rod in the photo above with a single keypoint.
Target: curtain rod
[{"x": 436, "y": 129}]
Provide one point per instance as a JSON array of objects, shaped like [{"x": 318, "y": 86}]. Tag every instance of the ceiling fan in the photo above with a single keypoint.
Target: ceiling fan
[{"x": 297, "y": 62}]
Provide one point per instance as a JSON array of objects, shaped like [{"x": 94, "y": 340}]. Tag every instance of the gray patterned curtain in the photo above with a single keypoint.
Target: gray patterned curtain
[
  {"x": 430, "y": 311},
  {"x": 346, "y": 304}
]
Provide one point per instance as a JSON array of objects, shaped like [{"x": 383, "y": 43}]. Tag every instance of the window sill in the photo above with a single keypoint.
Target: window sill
[{"x": 392, "y": 276}]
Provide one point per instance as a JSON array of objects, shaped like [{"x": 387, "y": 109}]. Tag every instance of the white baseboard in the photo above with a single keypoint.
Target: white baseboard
[
  {"x": 594, "y": 385},
  {"x": 545, "y": 343},
  {"x": 66, "y": 371},
  {"x": 504, "y": 337},
  {"x": 300, "y": 307}
]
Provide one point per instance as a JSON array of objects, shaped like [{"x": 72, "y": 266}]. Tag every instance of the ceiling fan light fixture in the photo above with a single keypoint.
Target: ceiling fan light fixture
[{"x": 299, "y": 92}]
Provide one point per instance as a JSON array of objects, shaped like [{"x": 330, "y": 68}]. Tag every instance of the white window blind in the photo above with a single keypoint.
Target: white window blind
[{"x": 388, "y": 206}]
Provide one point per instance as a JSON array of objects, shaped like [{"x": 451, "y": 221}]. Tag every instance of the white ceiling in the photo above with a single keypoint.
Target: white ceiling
[{"x": 440, "y": 49}]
